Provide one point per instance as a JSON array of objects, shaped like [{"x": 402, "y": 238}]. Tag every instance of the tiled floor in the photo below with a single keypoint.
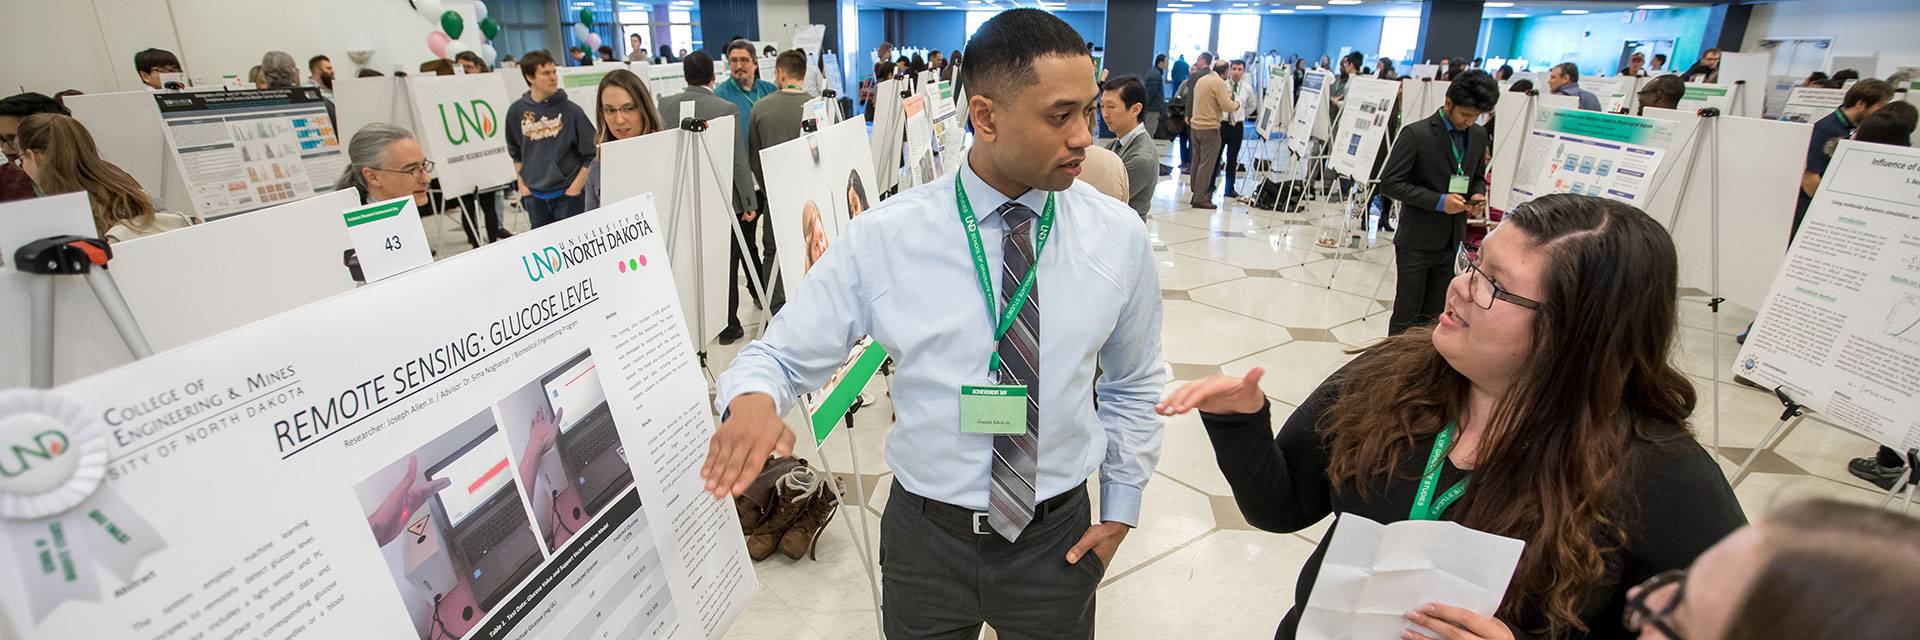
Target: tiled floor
[{"x": 1246, "y": 288}]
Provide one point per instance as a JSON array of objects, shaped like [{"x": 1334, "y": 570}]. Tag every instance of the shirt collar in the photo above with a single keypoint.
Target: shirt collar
[
  {"x": 986, "y": 200},
  {"x": 1447, "y": 122},
  {"x": 1138, "y": 130}
]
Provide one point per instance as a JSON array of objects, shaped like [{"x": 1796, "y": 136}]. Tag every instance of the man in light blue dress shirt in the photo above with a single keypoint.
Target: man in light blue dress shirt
[{"x": 983, "y": 527}]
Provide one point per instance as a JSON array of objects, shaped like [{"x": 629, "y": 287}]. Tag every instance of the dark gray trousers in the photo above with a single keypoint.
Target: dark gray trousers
[{"x": 942, "y": 580}]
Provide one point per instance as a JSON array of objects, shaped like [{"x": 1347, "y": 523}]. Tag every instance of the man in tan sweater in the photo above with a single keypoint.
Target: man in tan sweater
[{"x": 1211, "y": 99}]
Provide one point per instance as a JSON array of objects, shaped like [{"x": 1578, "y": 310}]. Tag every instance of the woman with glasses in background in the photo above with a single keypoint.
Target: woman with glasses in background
[
  {"x": 626, "y": 110},
  {"x": 1816, "y": 570},
  {"x": 1542, "y": 408}
]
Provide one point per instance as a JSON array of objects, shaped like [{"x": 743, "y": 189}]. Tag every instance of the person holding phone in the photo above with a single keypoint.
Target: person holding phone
[{"x": 1438, "y": 171}]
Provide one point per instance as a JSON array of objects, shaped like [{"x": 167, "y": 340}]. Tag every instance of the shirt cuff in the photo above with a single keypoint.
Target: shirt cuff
[
  {"x": 724, "y": 397},
  {"x": 1441, "y": 204},
  {"x": 1120, "y": 503}
]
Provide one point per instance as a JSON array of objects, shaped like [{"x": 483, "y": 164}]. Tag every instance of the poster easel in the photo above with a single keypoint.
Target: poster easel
[{"x": 687, "y": 199}]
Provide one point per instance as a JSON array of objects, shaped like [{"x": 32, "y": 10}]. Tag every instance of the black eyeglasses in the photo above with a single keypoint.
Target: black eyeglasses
[
  {"x": 425, "y": 168},
  {"x": 1484, "y": 290},
  {"x": 1640, "y": 616}
]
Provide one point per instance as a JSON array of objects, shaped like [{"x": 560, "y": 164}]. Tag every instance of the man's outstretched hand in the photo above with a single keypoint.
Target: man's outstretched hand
[{"x": 740, "y": 447}]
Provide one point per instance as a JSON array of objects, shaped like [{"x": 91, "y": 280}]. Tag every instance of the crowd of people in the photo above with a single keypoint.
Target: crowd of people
[{"x": 1535, "y": 384}]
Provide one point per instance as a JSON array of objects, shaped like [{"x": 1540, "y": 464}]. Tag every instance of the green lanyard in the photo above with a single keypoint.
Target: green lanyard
[
  {"x": 1844, "y": 120},
  {"x": 1425, "y": 506},
  {"x": 979, "y": 254},
  {"x": 1459, "y": 163}
]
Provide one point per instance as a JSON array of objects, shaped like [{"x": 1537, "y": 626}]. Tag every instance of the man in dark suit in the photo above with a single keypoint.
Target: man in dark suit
[
  {"x": 1438, "y": 172},
  {"x": 697, "y": 67}
]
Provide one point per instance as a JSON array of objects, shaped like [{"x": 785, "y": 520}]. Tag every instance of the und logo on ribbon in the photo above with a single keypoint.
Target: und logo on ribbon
[{"x": 57, "y": 518}]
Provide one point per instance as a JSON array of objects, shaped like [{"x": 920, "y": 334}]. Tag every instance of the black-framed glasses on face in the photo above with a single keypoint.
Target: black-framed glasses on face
[
  {"x": 424, "y": 168},
  {"x": 1640, "y": 616},
  {"x": 1484, "y": 290}
]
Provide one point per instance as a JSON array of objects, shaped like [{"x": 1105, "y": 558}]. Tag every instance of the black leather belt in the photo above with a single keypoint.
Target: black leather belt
[{"x": 964, "y": 519}]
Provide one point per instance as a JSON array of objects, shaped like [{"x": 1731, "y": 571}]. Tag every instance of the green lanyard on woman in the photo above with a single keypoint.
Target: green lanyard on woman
[{"x": 1425, "y": 505}]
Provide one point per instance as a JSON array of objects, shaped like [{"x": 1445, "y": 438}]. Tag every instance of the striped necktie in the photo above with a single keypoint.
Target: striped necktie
[{"x": 1016, "y": 458}]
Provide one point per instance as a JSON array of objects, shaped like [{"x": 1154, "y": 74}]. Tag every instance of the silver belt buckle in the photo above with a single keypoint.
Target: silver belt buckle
[{"x": 980, "y": 526}]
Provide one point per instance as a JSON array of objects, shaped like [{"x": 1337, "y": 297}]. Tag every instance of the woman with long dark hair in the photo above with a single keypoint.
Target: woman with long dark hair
[
  {"x": 1542, "y": 408},
  {"x": 626, "y": 109},
  {"x": 60, "y": 156}
]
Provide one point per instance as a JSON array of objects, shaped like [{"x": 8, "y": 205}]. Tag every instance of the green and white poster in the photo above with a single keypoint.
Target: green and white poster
[
  {"x": 1699, "y": 96},
  {"x": 1592, "y": 153},
  {"x": 458, "y": 120}
]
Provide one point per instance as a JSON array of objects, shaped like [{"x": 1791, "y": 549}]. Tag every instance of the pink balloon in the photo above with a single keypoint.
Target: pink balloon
[
  {"x": 437, "y": 43},
  {"x": 593, "y": 40}
]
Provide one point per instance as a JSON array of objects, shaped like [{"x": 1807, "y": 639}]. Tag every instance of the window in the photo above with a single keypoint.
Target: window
[
  {"x": 1190, "y": 35},
  {"x": 1239, "y": 36},
  {"x": 634, "y": 18},
  {"x": 1398, "y": 37},
  {"x": 681, "y": 31},
  {"x": 523, "y": 26},
  {"x": 977, "y": 18}
]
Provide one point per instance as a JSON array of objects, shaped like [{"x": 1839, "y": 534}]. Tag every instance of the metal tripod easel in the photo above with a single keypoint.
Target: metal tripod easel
[{"x": 72, "y": 256}]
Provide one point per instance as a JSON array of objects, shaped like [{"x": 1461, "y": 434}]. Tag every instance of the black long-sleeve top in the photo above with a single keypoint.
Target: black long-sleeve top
[{"x": 1677, "y": 502}]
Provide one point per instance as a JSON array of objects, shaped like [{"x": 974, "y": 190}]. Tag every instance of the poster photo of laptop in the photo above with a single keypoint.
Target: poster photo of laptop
[
  {"x": 573, "y": 463},
  {"x": 453, "y": 527}
]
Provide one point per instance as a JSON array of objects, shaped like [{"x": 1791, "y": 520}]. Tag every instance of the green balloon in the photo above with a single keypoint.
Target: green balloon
[
  {"x": 489, "y": 28},
  {"x": 453, "y": 24},
  {"x": 586, "y": 17}
]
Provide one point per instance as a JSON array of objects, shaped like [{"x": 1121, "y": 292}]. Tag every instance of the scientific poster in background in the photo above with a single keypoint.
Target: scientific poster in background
[
  {"x": 949, "y": 136},
  {"x": 1363, "y": 125},
  {"x": 582, "y": 86},
  {"x": 459, "y": 123},
  {"x": 1306, "y": 112},
  {"x": 920, "y": 162},
  {"x": 1591, "y": 153},
  {"x": 1840, "y": 329},
  {"x": 1615, "y": 92},
  {"x": 240, "y": 151},
  {"x": 1276, "y": 105},
  {"x": 1809, "y": 104},
  {"x": 816, "y": 185},
  {"x": 663, "y": 80},
  {"x": 1700, "y": 96},
  {"x": 695, "y": 201},
  {"x": 517, "y": 459}
]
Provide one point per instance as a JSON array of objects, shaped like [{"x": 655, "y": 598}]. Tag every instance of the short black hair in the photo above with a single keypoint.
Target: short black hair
[
  {"x": 1504, "y": 72},
  {"x": 697, "y": 68},
  {"x": 1129, "y": 88},
  {"x": 1870, "y": 91},
  {"x": 530, "y": 64},
  {"x": 1817, "y": 77},
  {"x": 30, "y": 103},
  {"x": 369, "y": 73},
  {"x": 1001, "y": 52},
  {"x": 741, "y": 43},
  {"x": 792, "y": 62},
  {"x": 1659, "y": 56},
  {"x": 1568, "y": 69},
  {"x": 1237, "y": 63},
  {"x": 316, "y": 60},
  {"x": 1522, "y": 85},
  {"x": 1474, "y": 89},
  {"x": 1840, "y": 78},
  {"x": 149, "y": 59},
  {"x": 1892, "y": 124}
]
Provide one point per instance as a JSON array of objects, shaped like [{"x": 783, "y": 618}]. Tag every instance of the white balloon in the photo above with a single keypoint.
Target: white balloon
[
  {"x": 488, "y": 54},
  {"x": 580, "y": 32},
  {"x": 430, "y": 9},
  {"x": 456, "y": 48},
  {"x": 479, "y": 11}
]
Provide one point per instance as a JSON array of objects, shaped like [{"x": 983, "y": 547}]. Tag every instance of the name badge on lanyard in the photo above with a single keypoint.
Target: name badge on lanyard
[
  {"x": 998, "y": 409},
  {"x": 1458, "y": 183}
]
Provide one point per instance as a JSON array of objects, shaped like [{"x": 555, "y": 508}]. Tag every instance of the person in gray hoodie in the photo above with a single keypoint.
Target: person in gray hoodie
[{"x": 551, "y": 142}]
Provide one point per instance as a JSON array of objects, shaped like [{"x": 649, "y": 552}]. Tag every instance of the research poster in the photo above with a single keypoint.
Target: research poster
[
  {"x": 1276, "y": 105},
  {"x": 1615, "y": 92},
  {"x": 501, "y": 446},
  {"x": 582, "y": 86},
  {"x": 458, "y": 118},
  {"x": 1840, "y": 329},
  {"x": 1306, "y": 111},
  {"x": 1591, "y": 153},
  {"x": 816, "y": 185},
  {"x": 245, "y": 150},
  {"x": 1363, "y": 125},
  {"x": 1808, "y": 104},
  {"x": 949, "y": 136},
  {"x": 920, "y": 168},
  {"x": 1700, "y": 96},
  {"x": 694, "y": 198}
]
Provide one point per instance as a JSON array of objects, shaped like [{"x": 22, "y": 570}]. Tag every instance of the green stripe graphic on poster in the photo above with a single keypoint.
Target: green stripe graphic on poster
[
  {"x": 376, "y": 212},
  {"x": 843, "y": 389},
  {"x": 1591, "y": 153},
  {"x": 1697, "y": 96}
]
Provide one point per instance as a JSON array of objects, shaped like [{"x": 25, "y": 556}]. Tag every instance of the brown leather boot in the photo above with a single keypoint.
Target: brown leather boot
[
  {"x": 803, "y": 537},
  {"x": 789, "y": 504}
]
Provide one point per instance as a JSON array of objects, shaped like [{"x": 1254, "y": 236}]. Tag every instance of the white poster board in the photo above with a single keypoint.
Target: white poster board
[
  {"x": 127, "y": 128},
  {"x": 1738, "y": 171},
  {"x": 1276, "y": 104},
  {"x": 889, "y": 129},
  {"x": 1426, "y": 71},
  {"x": 241, "y": 151},
  {"x": 1512, "y": 119},
  {"x": 1420, "y": 98},
  {"x": 920, "y": 163},
  {"x": 340, "y": 470},
  {"x": 582, "y": 86},
  {"x": 949, "y": 136},
  {"x": 459, "y": 120},
  {"x": 816, "y": 185},
  {"x": 653, "y": 164},
  {"x": 1809, "y": 104},
  {"x": 1616, "y": 93},
  {"x": 376, "y": 100},
  {"x": 1306, "y": 112},
  {"x": 1591, "y": 153},
  {"x": 1363, "y": 124},
  {"x": 1748, "y": 72},
  {"x": 1701, "y": 95},
  {"x": 1840, "y": 329}
]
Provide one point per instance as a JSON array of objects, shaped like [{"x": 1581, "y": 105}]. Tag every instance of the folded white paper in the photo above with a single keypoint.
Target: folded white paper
[{"x": 1373, "y": 574}]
